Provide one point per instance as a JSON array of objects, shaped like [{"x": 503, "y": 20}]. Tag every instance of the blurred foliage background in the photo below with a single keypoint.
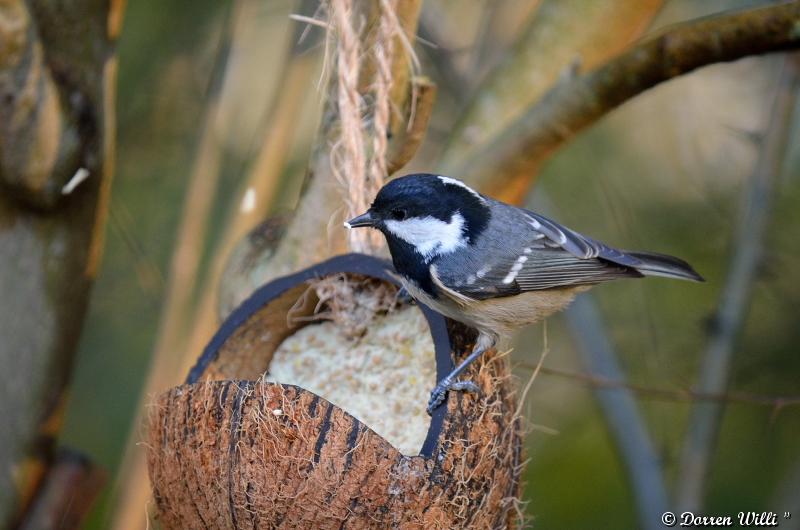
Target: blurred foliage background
[{"x": 666, "y": 172}]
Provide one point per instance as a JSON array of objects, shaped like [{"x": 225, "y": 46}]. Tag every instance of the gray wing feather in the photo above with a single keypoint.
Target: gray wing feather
[
  {"x": 544, "y": 269},
  {"x": 542, "y": 254},
  {"x": 578, "y": 245}
]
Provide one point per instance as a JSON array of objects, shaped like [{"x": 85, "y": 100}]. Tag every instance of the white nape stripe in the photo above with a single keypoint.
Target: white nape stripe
[
  {"x": 456, "y": 182},
  {"x": 515, "y": 269},
  {"x": 430, "y": 236}
]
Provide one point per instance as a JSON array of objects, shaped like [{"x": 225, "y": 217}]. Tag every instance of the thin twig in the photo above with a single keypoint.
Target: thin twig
[
  {"x": 678, "y": 395},
  {"x": 621, "y": 413},
  {"x": 309, "y": 20},
  {"x": 736, "y": 295},
  {"x": 535, "y": 369},
  {"x": 149, "y": 275},
  {"x": 505, "y": 165}
]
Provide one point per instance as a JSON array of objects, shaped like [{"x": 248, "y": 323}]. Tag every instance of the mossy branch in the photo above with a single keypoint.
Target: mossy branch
[{"x": 505, "y": 166}]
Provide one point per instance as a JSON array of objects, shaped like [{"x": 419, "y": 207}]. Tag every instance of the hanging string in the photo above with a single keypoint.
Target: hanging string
[
  {"x": 383, "y": 49},
  {"x": 361, "y": 173}
]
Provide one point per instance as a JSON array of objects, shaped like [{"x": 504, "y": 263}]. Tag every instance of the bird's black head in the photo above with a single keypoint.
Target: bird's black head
[
  {"x": 425, "y": 210},
  {"x": 424, "y": 216},
  {"x": 424, "y": 195}
]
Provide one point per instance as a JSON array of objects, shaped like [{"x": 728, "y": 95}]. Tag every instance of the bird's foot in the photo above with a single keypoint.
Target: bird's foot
[{"x": 439, "y": 393}]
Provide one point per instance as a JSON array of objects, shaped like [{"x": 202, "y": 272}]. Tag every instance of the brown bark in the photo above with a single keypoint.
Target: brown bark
[
  {"x": 505, "y": 166},
  {"x": 48, "y": 251},
  {"x": 40, "y": 144}
]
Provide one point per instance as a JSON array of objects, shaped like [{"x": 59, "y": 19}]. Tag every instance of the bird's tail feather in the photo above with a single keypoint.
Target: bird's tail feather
[{"x": 654, "y": 264}]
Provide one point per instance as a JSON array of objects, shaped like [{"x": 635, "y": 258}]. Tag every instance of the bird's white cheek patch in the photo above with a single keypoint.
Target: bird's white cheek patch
[{"x": 430, "y": 236}]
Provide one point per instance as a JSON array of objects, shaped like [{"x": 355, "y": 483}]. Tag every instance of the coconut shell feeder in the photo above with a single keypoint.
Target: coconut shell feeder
[{"x": 228, "y": 449}]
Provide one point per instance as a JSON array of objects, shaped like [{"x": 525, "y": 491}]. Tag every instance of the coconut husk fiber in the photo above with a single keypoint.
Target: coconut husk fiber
[{"x": 230, "y": 450}]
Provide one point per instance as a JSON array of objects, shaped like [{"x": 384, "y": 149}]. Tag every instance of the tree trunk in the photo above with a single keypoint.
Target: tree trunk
[{"x": 57, "y": 70}]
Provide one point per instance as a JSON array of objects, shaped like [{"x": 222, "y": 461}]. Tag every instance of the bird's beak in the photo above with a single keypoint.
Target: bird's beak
[{"x": 365, "y": 219}]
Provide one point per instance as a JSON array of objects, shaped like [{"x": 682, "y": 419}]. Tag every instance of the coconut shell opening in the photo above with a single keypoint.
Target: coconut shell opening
[
  {"x": 232, "y": 450},
  {"x": 279, "y": 334},
  {"x": 382, "y": 377}
]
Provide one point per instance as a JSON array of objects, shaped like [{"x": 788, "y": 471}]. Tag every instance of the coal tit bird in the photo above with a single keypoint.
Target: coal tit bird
[{"x": 491, "y": 265}]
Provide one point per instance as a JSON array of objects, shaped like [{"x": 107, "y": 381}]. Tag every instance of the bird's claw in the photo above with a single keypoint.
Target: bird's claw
[{"x": 439, "y": 393}]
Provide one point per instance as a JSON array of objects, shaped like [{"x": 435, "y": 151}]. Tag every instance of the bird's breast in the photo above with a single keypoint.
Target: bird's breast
[{"x": 509, "y": 313}]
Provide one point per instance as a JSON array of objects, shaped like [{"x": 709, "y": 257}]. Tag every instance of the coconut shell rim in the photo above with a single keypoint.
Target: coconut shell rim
[{"x": 354, "y": 263}]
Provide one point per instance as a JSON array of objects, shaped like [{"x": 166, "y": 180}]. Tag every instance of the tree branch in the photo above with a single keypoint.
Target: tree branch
[
  {"x": 505, "y": 166},
  {"x": 440, "y": 55},
  {"x": 409, "y": 138},
  {"x": 736, "y": 295},
  {"x": 48, "y": 253},
  {"x": 559, "y": 34},
  {"x": 621, "y": 412},
  {"x": 64, "y": 500}
]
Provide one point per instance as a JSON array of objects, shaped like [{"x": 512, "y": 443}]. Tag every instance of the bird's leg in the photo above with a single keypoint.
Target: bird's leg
[
  {"x": 404, "y": 297},
  {"x": 449, "y": 382}
]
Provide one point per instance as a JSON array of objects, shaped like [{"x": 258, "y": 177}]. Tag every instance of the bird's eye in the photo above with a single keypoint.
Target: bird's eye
[{"x": 398, "y": 214}]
